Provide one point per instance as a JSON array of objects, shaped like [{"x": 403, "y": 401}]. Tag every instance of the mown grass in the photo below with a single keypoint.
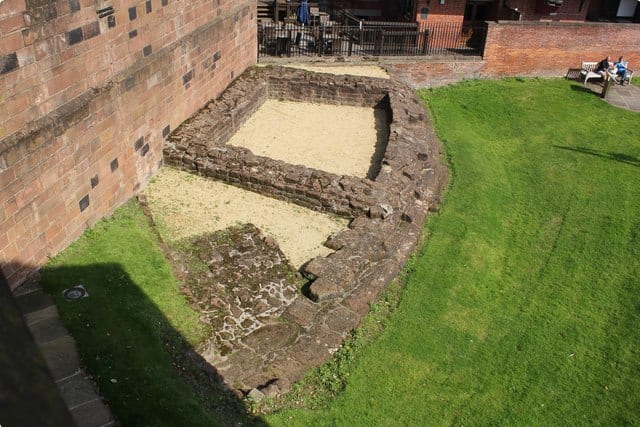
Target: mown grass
[
  {"x": 524, "y": 306},
  {"x": 135, "y": 331}
]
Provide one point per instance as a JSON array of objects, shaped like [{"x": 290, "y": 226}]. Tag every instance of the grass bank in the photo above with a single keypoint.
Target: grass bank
[{"x": 523, "y": 307}]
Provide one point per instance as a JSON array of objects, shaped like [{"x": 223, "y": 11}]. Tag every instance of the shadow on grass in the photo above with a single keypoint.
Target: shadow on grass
[
  {"x": 618, "y": 157},
  {"x": 147, "y": 370},
  {"x": 586, "y": 89}
]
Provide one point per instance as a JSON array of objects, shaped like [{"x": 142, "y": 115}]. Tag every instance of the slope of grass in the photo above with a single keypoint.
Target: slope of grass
[{"x": 524, "y": 306}]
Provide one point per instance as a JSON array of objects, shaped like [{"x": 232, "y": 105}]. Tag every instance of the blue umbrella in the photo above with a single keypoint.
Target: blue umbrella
[{"x": 303, "y": 12}]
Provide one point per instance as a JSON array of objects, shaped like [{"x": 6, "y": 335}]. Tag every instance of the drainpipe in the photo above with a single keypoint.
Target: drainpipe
[{"x": 500, "y": 7}]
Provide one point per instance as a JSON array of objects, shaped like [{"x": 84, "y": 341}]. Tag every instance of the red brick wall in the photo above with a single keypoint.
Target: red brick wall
[
  {"x": 85, "y": 122},
  {"x": 529, "y": 49},
  {"x": 550, "y": 49},
  {"x": 450, "y": 11},
  {"x": 63, "y": 48},
  {"x": 434, "y": 73},
  {"x": 536, "y": 10}
]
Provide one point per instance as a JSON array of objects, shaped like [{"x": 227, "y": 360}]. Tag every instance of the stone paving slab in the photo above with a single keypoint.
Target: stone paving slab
[
  {"x": 48, "y": 330},
  {"x": 627, "y": 96},
  {"x": 76, "y": 390},
  {"x": 28, "y": 394},
  {"x": 61, "y": 357},
  {"x": 94, "y": 413},
  {"x": 40, "y": 315},
  {"x": 34, "y": 301}
]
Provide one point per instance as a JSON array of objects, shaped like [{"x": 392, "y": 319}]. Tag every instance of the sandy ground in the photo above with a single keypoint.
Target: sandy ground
[
  {"x": 353, "y": 70},
  {"x": 186, "y": 205},
  {"x": 336, "y": 139}
]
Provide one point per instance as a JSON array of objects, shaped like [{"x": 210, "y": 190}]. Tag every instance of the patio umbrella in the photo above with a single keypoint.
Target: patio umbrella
[{"x": 303, "y": 12}]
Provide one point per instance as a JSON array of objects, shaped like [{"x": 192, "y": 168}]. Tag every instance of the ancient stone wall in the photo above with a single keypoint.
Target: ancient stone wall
[
  {"x": 89, "y": 95},
  {"x": 434, "y": 73},
  {"x": 388, "y": 213},
  {"x": 199, "y": 144}
]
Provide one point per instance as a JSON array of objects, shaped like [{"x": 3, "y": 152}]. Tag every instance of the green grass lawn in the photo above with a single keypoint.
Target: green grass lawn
[{"x": 523, "y": 307}]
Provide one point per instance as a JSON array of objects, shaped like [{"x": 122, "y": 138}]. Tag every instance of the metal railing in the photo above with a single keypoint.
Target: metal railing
[{"x": 383, "y": 39}]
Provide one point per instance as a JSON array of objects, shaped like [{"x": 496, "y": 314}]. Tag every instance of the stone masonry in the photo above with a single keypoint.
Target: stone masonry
[{"x": 387, "y": 213}]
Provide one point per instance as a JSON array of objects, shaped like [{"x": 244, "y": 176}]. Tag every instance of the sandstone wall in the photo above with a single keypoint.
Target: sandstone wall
[
  {"x": 200, "y": 143},
  {"x": 87, "y": 102},
  {"x": 388, "y": 210}
]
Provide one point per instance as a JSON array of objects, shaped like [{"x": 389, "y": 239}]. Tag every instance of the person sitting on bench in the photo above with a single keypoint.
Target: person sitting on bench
[
  {"x": 621, "y": 69},
  {"x": 604, "y": 66}
]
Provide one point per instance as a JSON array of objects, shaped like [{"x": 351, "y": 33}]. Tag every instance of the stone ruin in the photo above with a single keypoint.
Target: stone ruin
[{"x": 292, "y": 328}]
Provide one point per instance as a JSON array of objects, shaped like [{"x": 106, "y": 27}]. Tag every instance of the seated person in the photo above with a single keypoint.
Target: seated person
[
  {"x": 621, "y": 69},
  {"x": 603, "y": 66}
]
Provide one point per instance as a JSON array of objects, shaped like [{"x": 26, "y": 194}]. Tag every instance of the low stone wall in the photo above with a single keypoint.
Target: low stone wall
[
  {"x": 421, "y": 73},
  {"x": 388, "y": 212}
]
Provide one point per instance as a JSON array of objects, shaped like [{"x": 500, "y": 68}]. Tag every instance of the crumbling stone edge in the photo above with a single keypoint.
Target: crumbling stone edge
[{"x": 387, "y": 212}]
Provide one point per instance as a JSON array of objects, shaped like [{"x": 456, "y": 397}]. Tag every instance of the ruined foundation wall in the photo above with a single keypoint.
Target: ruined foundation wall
[
  {"x": 387, "y": 212},
  {"x": 87, "y": 102},
  {"x": 200, "y": 143}
]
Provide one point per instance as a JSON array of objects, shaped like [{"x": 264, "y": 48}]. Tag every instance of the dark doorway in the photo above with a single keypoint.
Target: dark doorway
[{"x": 476, "y": 12}]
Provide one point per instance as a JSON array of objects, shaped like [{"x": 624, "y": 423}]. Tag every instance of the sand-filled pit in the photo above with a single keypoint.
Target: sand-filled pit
[
  {"x": 352, "y": 70},
  {"x": 338, "y": 139},
  {"x": 186, "y": 205}
]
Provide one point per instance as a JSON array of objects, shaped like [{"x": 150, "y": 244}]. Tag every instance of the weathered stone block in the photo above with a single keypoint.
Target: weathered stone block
[
  {"x": 301, "y": 311},
  {"x": 342, "y": 320},
  {"x": 316, "y": 346}
]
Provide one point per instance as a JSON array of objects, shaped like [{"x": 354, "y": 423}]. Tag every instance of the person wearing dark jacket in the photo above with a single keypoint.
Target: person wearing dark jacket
[{"x": 604, "y": 66}]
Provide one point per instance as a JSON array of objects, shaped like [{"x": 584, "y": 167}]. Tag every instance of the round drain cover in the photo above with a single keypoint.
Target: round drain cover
[{"x": 75, "y": 293}]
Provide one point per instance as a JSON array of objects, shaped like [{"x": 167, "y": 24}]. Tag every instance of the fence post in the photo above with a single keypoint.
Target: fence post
[
  {"x": 425, "y": 41},
  {"x": 379, "y": 41},
  {"x": 608, "y": 81}
]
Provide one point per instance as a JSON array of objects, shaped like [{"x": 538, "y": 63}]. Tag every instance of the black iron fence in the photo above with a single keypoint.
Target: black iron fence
[{"x": 372, "y": 39}]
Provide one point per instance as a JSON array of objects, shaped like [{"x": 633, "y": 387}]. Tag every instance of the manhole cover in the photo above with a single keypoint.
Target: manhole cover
[{"x": 75, "y": 293}]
